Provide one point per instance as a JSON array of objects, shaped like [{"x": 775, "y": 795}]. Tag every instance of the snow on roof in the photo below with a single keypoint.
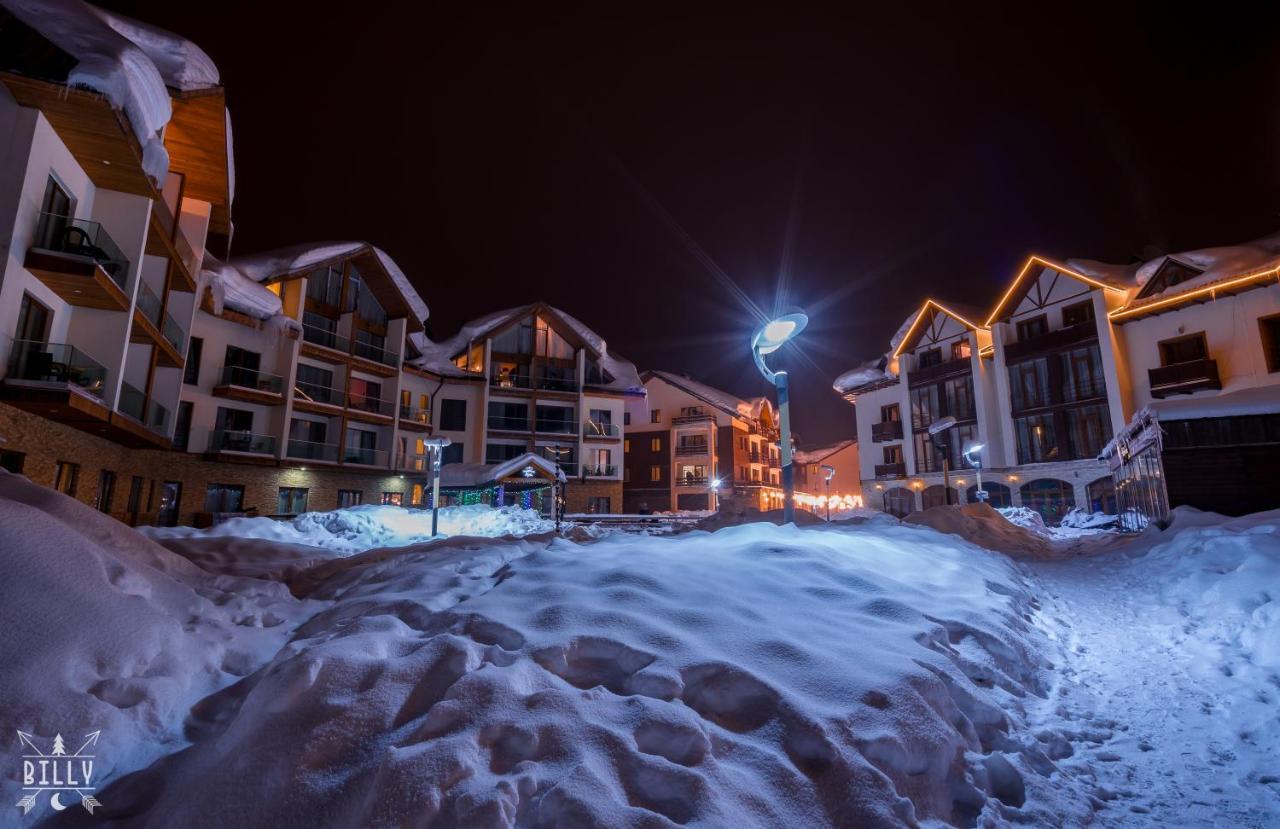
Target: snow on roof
[
  {"x": 1255, "y": 400},
  {"x": 459, "y": 475},
  {"x": 1121, "y": 276},
  {"x": 131, "y": 64},
  {"x": 822, "y": 453},
  {"x": 876, "y": 369},
  {"x": 237, "y": 282},
  {"x": 437, "y": 357},
  {"x": 1217, "y": 263},
  {"x": 723, "y": 400}
]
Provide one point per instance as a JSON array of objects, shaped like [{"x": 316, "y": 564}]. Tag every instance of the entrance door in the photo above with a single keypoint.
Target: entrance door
[
  {"x": 33, "y": 321},
  {"x": 170, "y": 504}
]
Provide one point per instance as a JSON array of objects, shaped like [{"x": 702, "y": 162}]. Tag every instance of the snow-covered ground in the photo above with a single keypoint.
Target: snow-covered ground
[{"x": 866, "y": 674}]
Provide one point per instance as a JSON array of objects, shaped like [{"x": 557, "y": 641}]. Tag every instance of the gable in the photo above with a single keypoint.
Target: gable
[
  {"x": 1170, "y": 273},
  {"x": 934, "y": 324},
  {"x": 1040, "y": 283},
  {"x": 1049, "y": 288}
]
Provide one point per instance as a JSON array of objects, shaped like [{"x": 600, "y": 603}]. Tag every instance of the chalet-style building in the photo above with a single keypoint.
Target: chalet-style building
[
  {"x": 1059, "y": 367},
  {"x": 700, "y": 446},
  {"x": 812, "y": 488}
]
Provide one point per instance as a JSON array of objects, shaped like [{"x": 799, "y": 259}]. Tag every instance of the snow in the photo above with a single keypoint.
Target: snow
[
  {"x": 722, "y": 400},
  {"x": 821, "y": 453},
  {"x": 356, "y": 529},
  {"x": 1255, "y": 400},
  {"x": 880, "y": 368},
  {"x": 127, "y": 62}
]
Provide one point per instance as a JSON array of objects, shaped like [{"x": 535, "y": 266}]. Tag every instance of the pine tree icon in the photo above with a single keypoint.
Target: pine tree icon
[{"x": 58, "y": 747}]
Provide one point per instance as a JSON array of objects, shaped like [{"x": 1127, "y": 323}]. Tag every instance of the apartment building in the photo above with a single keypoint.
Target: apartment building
[
  {"x": 813, "y": 489},
  {"x": 1067, "y": 357},
  {"x": 698, "y": 447}
]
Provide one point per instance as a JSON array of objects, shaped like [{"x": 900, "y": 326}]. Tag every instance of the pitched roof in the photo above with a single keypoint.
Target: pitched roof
[
  {"x": 1027, "y": 276},
  {"x": 822, "y": 453},
  {"x": 724, "y": 401},
  {"x": 962, "y": 313}
]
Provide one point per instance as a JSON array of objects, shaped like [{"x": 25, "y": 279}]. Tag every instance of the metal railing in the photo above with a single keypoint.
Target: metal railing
[
  {"x": 377, "y": 354},
  {"x": 891, "y": 470},
  {"x": 1184, "y": 378},
  {"x": 556, "y": 383},
  {"x": 691, "y": 480},
  {"x": 149, "y": 413},
  {"x": 755, "y": 457},
  {"x": 413, "y": 463},
  {"x": 886, "y": 430},
  {"x": 234, "y": 440},
  {"x": 312, "y": 451},
  {"x": 598, "y": 429},
  {"x": 525, "y": 381},
  {"x": 509, "y": 424},
  {"x": 250, "y": 378},
  {"x": 693, "y": 449},
  {"x": 692, "y": 414},
  {"x": 554, "y": 427},
  {"x": 412, "y": 414},
  {"x": 56, "y": 363},
  {"x": 80, "y": 237},
  {"x": 601, "y": 471},
  {"x": 363, "y": 456}
]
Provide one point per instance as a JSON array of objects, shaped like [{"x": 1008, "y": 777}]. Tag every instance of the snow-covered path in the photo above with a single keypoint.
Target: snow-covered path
[{"x": 1173, "y": 722}]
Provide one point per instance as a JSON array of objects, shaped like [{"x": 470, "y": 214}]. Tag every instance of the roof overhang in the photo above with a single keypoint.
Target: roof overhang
[
  {"x": 926, "y": 313},
  {"x": 1204, "y": 293},
  {"x": 1022, "y": 284},
  {"x": 197, "y": 141}
]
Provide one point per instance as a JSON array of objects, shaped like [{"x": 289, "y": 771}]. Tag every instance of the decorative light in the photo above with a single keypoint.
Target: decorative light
[{"x": 1048, "y": 264}]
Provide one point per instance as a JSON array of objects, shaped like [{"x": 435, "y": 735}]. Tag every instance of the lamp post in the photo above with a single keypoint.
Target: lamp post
[
  {"x": 436, "y": 447},
  {"x": 772, "y": 336},
  {"x": 558, "y": 504},
  {"x": 829, "y": 472},
  {"x": 714, "y": 487},
  {"x": 936, "y": 430},
  {"x": 973, "y": 457}
]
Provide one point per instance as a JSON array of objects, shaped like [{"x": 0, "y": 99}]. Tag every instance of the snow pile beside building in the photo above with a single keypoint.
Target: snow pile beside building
[
  {"x": 989, "y": 528},
  {"x": 101, "y": 629},
  {"x": 355, "y": 529},
  {"x": 709, "y": 679}
]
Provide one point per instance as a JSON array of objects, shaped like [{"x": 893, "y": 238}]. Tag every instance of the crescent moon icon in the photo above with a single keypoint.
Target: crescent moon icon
[{"x": 56, "y": 803}]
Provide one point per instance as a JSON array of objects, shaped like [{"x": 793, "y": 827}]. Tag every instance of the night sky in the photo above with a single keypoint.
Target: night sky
[{"x": 631, "y": 165}]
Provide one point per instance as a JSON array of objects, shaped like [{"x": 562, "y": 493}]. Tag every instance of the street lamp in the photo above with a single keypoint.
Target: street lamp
[
  {"x": 772, "y": 336},
  {"x": 936, "y": 430},
  {"x": 558, "y": 505},
  {"x": 714, "y": 487},
  {"x": 436, "y": 447},
  {"x": 973, "y": 457},
  {"x": 830, "y": 472}
]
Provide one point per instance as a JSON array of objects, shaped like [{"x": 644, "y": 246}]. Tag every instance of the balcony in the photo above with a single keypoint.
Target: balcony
[
  {"x": 498, "y": 423},
  {"x": 693, "y": 480},
  {"x": 414, "y": 418},
  {"x": 525, "y": 382},
  {"x": 940, "y": 371},
  {"x": 886, "y": 430},
  {"x": 79, "y": 262},
  {"x": 600, "y": 431},
  {"x": 754, "y": 457},
  {"x": 1052, "y": 342},
  {"x": 555, "y": 427},
  {"x": 153, "y": 325},
  {"x": 891, "y": 470},
  {"x": 364, "y": 456},
  {"x": 326, "y": 344},
  {"x": 774, "y": 463},
  {"x": 310, "y": 397},
  {"x": 687, "y": 449},
  {"x": 148, "y": 412},
  {"x": 250, "y": 385},
  {"x": 1184, "y": 378},
  {"x": 232, "y": 440},
  {"x": 693, "y": 414},
  {"x": 312, "y": 451},
  {"x": 369, "y": 408},
  {"x": 376, "y": 354},
  {"x": 601, "y": 471},
  {"x": 56, "y": 363},
  {"x": 413, "y": 463},
  {"x": 166, "y": 239},
  {"x": 325, "y": 338}
]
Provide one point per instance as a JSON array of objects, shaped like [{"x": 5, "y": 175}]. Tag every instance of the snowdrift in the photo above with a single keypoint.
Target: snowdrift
[
  {"x": 986, "y": 527},
  {"x": 355, "y": 529},
  {"x": 757, "y": 676},
  {"x": 102, "y": 629}
]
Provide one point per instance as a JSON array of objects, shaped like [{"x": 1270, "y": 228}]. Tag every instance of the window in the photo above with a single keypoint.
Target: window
[
  {"x": 415, "y": 495},
  {"x": 191, "y": 369},
  {"x": 1032, "y": 328},
  {"x": 998, "y": 495},
  {"x": 655, "y": 416},
  {"x": 307, "y": 432},
  {"x": 499, "y": 452},
  {"x": 928, "y": 459},
  {"x": 626, "y": 474},
  {"x": 924, "y": 406},
  {"x": 599, "y": 505},
  {"x": 240, "y": 367},
  {"x": 936, "y": 496},
  {"x": 182, "y": 427},
  {"x": 350, "y": 498},
  {"x": 393, "y": 499},
  {"x": 135, "y": 498},
  {"x": 1102, "y": 495},
  {"x": 451, "y": 454},
  {"x": 959, "y": 396},
  {"x": 12, "y": 461},
  {"x": 170, "y": 504},
  {"x": 655, "y": 473},
  {"x": 558, "y": 420},
  {"x": 743, "y": 444},
  {"x": 626, "y": 418},
  {"x": 237, "y": 421},
  {"x": 292, "y": 500},
  {"x": 960, "y": 349},
  {"x": 1037, "y": 438},
  {"x": 33, "y": 321},
  {"x": 626, "y": 445},
  {"x": 1088, "y": 430},
  {"x": 106, "y": 490},
  {"x": 1077, "y": 314},
  {"x": 1184, "y": 349},
  {"x": 1049, "y": 497},
  {"x": 315, "y": 383},
  {"x": 224, "y": 498},
  {"x": 361, "y": 447},
  {"x": 1270, "y": 329},
  {"x": 509, "y": 416},
  {"x": 364, "y": 395},
  {"x": 655, "y": 444},
  {"x": 57, "y": 206},
  {"x": 932, "y": 357},
  {"x": 899, "y": 501},
  {"x": 68, "y": 474},
  {"x": 890, "y": 414},
  {"x": 1029, "y": 384},
  {"x": 892, "y": 454},
  {"x": 1082, "y": 374},
  {"x": 324, "y": 285},
  {"x": 453, "y": 415}
]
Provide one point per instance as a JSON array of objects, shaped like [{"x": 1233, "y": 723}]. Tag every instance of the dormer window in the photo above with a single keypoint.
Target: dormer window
[
  {"x": 1170, "y": 273},
  {"x": 932, "y": 357}
]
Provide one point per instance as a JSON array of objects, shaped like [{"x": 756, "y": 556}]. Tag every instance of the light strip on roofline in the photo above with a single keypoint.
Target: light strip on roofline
[
  {"x": 1132, "y": 311},
  {"x": 1048, "y": 264},
  {"x": 897, "y": 352}
]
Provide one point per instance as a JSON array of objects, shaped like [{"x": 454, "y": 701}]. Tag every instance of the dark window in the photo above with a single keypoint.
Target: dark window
[
  {"x": 191, "y": 370},
  {"x": 928, "y": 459},
  {"x": 170, "y": 504},
  {"x": 599, "y": 505},
  {"x": 393, "y": 499},
  {"x": 1029, "y": 384},
  {"x": 106, "y": 490},
  {"x": 1037, "y": 438},
  {"x": 1088, "y": 430},
  {"x": 451, "y": 454},
  {"x": 936, "y": 496},
  {"x": 1184, "y": 349},
  {"x": 1032, "y": 328},
  {"x": 135, "y": 498},
  {"x": 556, "y": 419},
  {"x": 224, "y": 498},
  {"x": 1077, "y": 314},
  {"x": 56, "y": 202},
  {"x": 66, "y": 478},
  {"x": 892, "y": 454},
  {"x": 932, "y": 357},
  {"x": 291, "y": 500},
  {"x": 924, "y": 406},
  {"x": 350, "y": 498},
  {"x": 12, "y": 461},
  {"x": 890, "y": 414},
  {"x": 1082, "y": 374},
  {"x": 899, "y": 501},
  {"x": 1270, "y": 328},
  {"x": 182, "y": 429},
  {"x": 324, "y": 285},
  {"x": 1102, "y": 495},
  {"x": 959, "y": 397},
  {"x": 308, "y": 431},
  {"x": 234, "y": 420},
  {"x": 315, "y": 383},
  {"x": 626, "y": 418},
  {"x": 998, "y": 495},
  {"x": 33, "y": 321},
  {"x": 453, "y": 415},
  {"x": 499, "y": 452}
]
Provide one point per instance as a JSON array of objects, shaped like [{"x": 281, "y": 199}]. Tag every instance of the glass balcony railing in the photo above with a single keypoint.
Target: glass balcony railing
[
  {"x": 555, "y": 427},
  {"x": 598, "y": 429},
  {"x": 312, "y": 451},
  {"x": 509, "y": 424},
  {"x": 414, "y": 463},
  {"x": 149, "y": 304},
  {"x": 79, "y": 237},
  {"x": 318, "y": 394},
  {"x": 373, "y": 405},
  {"x": 556, "y": 383},
  {"x": 56, "y": 363},
  {"x": 377, "y": 354},
  {"x": 363, "y": 456},
  {"x": 232, "y": 440},
  {"x": 250, "y": 378},
  {"x": 173, "y": 332},
  {"x": 326, "y": 338},
  {"x": 603, "y": 471},
  {"x": 149, "y": 413},
  {"x": 411, "y": 414},
  {"x": 515, "y": 380}
]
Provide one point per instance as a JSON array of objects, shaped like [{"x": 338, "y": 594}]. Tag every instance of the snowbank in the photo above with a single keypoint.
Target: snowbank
[
  {"x": 987, "y": 527},
  {"x": 355, "y": 529},
  {"x": 101, "y": 629},
  {"x": 711, "y": 679}
]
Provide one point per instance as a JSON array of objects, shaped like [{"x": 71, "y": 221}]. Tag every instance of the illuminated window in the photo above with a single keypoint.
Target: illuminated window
[
  {"x": 626, "y": 445},
  {"x": 655, "y": 444},
  {"x": 393, "y": 499},
  {"x": 655, "y": 473},
  {"x": 960, "y": 349},
  {"x": 655, "y": 416}
]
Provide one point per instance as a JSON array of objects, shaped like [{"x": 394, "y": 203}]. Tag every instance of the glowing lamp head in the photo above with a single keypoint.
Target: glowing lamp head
[
  {"x": 776, "y": 332},
  {"x": 715, "y": 483}
]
